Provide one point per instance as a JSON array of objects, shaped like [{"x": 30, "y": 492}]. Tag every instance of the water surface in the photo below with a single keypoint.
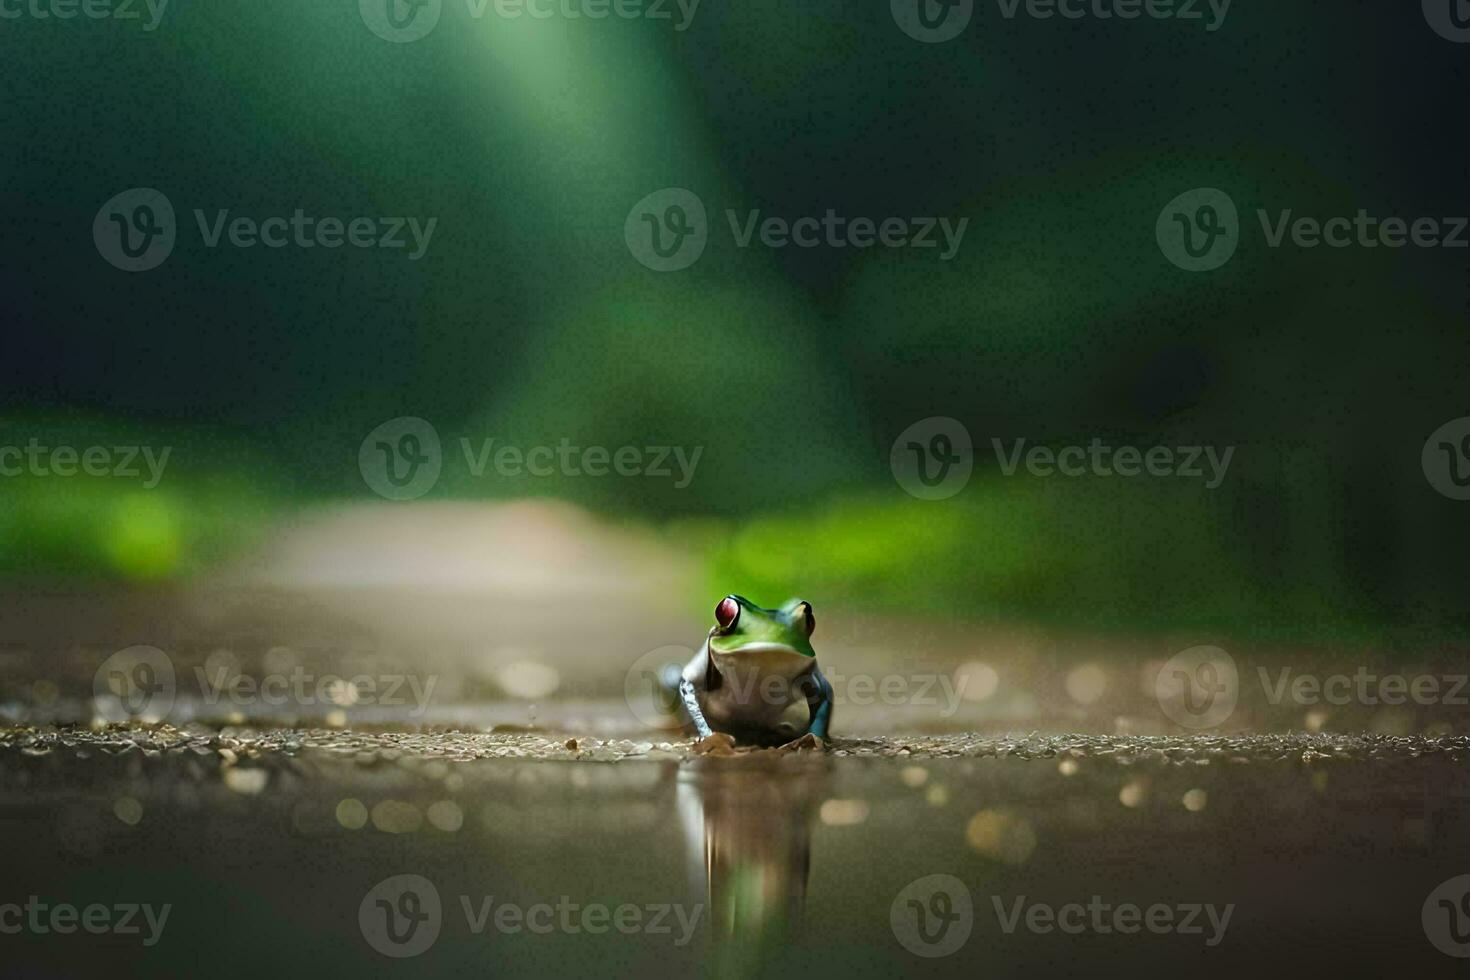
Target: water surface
[{"x": 272, "y": 847}]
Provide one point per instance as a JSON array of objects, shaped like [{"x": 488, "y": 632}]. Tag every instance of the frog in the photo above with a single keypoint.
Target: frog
[{"x": 754, "y": 664}]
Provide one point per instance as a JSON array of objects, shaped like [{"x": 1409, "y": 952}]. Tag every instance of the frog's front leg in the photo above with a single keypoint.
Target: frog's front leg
[
  {"x": 691, "y": 704},
  {"x": 819, "y": 701}
]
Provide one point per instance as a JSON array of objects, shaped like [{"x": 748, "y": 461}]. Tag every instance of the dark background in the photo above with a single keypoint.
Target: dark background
[{"x": 1059, "y": 321}]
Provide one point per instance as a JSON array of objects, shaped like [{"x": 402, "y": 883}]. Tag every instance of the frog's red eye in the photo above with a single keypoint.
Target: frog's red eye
[{"x": 727, "y": 612}]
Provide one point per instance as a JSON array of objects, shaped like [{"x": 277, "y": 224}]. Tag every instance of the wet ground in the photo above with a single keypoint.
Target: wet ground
[
  {"x": 522, "y": 808},
  {"x": 537, "y": 853}
]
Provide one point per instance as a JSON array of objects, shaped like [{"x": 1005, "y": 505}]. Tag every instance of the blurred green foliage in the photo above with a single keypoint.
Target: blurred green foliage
[
  {"x": 115, "y": 527},
  {"x": 529, "y": 322}
]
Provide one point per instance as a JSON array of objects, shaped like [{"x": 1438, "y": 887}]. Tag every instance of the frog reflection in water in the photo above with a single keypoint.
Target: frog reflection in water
[
  {"x": 747, "y": 826},
  {"x": 754, "y": 664}
]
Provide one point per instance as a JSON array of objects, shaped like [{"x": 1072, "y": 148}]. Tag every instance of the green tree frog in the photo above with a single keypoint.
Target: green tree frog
[{"x": 754, "y": 664}]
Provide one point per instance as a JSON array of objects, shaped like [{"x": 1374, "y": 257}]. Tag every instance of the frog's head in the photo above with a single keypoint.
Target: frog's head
[{"x": 743, "y": 629}]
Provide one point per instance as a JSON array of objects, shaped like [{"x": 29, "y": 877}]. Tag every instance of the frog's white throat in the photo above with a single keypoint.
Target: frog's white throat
[{"x": 762, "y": 659}]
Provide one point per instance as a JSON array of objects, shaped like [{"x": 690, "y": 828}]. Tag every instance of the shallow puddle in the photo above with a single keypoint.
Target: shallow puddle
[{"x": 524, "y": 853}]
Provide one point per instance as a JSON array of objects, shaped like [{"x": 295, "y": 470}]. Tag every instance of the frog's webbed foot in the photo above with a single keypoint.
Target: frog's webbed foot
[
  {"x": 716, "y": 744},
  {"x": 807, "y": 743}
]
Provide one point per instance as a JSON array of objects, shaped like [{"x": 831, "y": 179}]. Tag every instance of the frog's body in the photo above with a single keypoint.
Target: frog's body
[{"x": 754, "y": 664}]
